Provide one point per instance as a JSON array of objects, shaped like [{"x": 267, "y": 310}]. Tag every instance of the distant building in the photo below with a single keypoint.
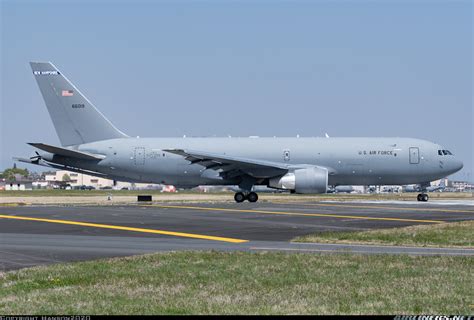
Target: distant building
[
  {"x": 19, "y": 183},
  {"x": 63, "y": 177},
  {"x": 359, "y": 189},
  {"x": 437, "y": 183},
  {"x": 462, "y": 186},
  {"x": 40, "y": 184}
]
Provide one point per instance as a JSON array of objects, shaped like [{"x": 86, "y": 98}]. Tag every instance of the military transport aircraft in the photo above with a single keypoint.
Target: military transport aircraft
[{"x": 91, "y": 144}]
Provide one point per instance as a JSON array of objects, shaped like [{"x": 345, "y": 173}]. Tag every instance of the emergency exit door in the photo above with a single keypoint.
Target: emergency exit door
[{"x": 414, "y": 155}]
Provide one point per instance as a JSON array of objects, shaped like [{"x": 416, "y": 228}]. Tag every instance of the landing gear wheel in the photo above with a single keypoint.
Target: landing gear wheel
[
  {"x": 239, "y": 197},
  {"x": 422, "y": 197},
  {"x": 252, "y": 197}
]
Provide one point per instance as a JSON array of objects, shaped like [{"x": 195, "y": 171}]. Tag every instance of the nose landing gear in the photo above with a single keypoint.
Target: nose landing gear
[
  {"x": 422, "y": 197},
  {"x": 241, "y": 197}
]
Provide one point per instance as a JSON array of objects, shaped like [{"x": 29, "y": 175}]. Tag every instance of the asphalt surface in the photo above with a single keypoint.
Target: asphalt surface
[{"x": 34, "y": 235}]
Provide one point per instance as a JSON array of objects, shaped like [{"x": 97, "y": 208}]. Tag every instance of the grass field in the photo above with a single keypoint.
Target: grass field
[
  {"x": 456, "y": 234},
  {"x": 244, "y": 283}
]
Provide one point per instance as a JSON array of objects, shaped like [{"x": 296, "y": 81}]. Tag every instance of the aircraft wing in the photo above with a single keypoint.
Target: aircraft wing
[
  {"x": 67, "y": 152},
  {"x": 232, "y": 166}
]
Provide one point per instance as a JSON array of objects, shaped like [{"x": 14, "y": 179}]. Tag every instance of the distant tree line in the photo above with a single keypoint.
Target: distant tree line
[{"x": 9, "y": 174}]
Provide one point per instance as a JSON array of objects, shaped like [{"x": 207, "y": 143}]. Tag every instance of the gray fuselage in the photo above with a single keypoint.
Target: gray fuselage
[{"x": 350, "y": 161}]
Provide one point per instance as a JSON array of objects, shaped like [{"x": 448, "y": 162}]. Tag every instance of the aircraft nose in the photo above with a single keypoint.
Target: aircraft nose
[
  {"x": 453, "y": 165},
  {"x": 458, "y": 165}
]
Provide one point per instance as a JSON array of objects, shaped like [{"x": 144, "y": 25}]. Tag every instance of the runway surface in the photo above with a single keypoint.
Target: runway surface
[{"x": 33, "y": 235}]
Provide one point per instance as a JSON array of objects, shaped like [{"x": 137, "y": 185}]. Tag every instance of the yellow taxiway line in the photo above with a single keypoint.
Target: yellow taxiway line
[
  {"x": 375, "y": 207},
  {"x": 106, "y": 226},
  {"x": 291, "y": 213}
]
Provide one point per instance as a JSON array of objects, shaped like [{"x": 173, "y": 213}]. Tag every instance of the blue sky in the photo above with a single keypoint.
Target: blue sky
[{"x": 240, "y": 68}]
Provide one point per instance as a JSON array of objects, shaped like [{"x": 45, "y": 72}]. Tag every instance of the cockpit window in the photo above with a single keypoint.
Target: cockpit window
[{"x": 444, "y": 153}]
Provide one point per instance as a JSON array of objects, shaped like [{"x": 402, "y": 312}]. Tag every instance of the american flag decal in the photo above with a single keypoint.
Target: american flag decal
[{"x": 67, "y": 93}]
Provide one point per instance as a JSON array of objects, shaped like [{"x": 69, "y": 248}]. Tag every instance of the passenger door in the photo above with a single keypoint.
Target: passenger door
[{"x": 414, "y": 155}]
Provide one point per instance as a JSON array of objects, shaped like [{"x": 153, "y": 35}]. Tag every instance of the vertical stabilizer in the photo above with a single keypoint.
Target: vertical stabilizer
[{"x": 75, "y": 118}]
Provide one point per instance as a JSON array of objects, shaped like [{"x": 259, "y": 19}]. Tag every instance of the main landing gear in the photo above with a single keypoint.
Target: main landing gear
[
  {"x": 422, "y": 197},
  {"x": 241, "y": 197}
]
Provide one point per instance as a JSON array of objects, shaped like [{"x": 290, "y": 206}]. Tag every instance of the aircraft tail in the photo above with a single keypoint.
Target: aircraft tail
[{"x": 75, "y": 118}]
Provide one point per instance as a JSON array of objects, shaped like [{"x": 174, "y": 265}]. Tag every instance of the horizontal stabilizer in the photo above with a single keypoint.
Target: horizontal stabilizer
[
  {"x": 67, "y": 152},
  {"x": 44, "y": 163}
]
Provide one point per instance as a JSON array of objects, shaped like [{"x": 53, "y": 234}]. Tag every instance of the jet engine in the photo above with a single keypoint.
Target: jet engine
[{"x": 307, "y": 180}]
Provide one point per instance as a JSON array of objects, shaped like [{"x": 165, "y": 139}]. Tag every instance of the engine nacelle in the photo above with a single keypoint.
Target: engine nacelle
[{"x": 308, "y": 180}]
